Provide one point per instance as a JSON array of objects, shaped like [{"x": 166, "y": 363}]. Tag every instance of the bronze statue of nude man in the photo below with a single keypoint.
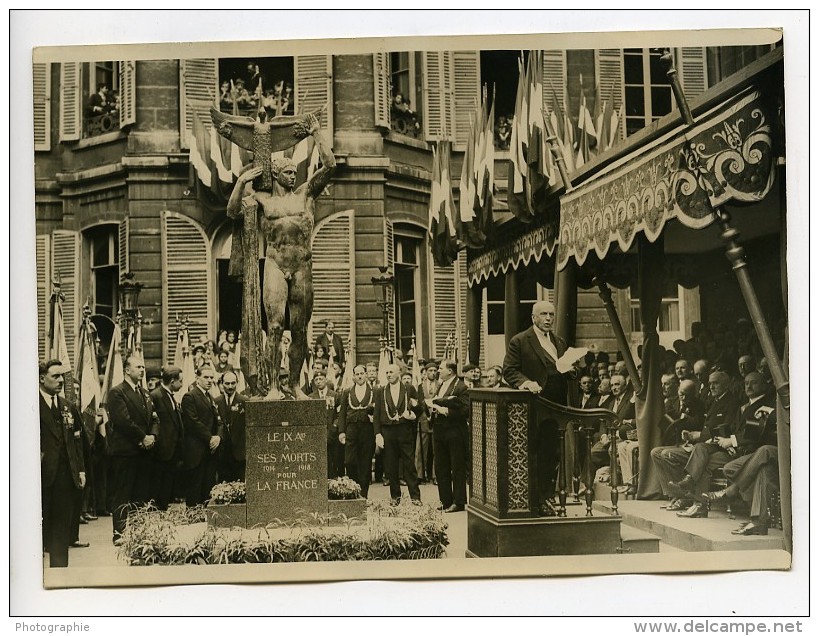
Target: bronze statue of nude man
[{"x": 286, "y": 220}]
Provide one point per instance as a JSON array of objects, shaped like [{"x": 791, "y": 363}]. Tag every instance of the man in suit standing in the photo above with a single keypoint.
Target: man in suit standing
[
  {"x": 231, "y": 408},
  {"x": 134, "y": 428},
  {"x": 355, "y": 429},
  {"x": 450, "y": 409},
  {"x": 394, "y": 421},
  {"x": 167, "y": 452},
  {"x": 530, "y": 365},
  {"x": 331, "y": 342},
  {"x": 62, "y": 466},
  {"x": 424, "y": 452},
  {"x": 203, "y": 434},
  {"x": 335, "y": 449}
]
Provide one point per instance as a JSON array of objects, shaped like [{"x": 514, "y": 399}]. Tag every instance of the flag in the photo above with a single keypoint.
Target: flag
[
  {"x": 347, "y": 380},
  {"x": 470, "y": 232},
  {"x": 216, "y": 160},
  {"x": 90, "y": 397},
  {"x": 519, "y": 139},
  {"x": 384, "y": 360},
  {"x": 540, "y": 171},
  {"x": 416, "y": 367},
  {"x": 57, "y": 349},
  {"x": 477, "y": 178},
  {"x": 442, "y": 233},
  {"x": 532, "y": 167},
  {"x": 585, "y": 128},
  {"x": 183, "y": 359},
  {"x": 114, "y": 374}
]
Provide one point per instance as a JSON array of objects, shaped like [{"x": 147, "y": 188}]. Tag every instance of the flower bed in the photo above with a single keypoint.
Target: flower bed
[{"x": 180, "y": 537}]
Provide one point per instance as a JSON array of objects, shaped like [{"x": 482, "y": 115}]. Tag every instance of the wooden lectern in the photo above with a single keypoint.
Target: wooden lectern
[{"x": 502, "y": 513}]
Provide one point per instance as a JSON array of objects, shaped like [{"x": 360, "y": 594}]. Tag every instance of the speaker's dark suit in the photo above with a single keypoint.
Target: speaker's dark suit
[
  {"x": 232, "y": 459},
  {"x": 355, "y": 421},
  {"x": 132, "y": 417},
  {"x": 167, "y": 452},
  {"x": 390, "y": 419},
  {"x": 527, "y": 360},
  {"x": 449, "y": 434},
  {"x": 201, "y": 421},
  {"x": 61, "y": 462}
]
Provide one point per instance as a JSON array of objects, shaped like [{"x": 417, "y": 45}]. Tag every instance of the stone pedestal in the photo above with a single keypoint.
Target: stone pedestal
[
  {"x": 286, "y": 476},
  {"x": 502, "y": 517}
]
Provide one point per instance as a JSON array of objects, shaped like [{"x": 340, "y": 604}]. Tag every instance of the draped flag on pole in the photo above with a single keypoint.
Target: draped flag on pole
[
  {"x": 478, "y": 178},
  {"x": 442, "y": 232},
  {"x": 541, "y": 171},
  {"x": 114, "y": 374},
  {"x": 215, "y": 159},
  {"x": 518, "y": 141},
  {"x": 585, "y": 129},
  {"x": 531, "y": 167},
  {"x": 384, "y": 360},
  {"x": 183, "y": 358},
  {"x": 347, "y": 380},
  {"x": 416, "y": 367},
  {"x": 90, "y": 397},
  {"x": 57, "y": 349}
]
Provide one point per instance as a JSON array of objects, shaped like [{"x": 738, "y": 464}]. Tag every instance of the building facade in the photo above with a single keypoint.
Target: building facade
[{"x": 116, "y": 189}]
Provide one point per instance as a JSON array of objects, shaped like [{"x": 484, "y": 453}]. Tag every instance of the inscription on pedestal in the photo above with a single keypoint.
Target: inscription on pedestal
[{"x": 286, "y": 474}]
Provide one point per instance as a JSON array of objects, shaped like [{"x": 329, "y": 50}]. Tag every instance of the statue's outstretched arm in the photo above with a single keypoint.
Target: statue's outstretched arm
[{"x": 320, "y": 179}]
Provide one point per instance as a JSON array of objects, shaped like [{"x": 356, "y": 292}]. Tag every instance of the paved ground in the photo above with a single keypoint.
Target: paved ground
[{"x": 102, "y": 553}]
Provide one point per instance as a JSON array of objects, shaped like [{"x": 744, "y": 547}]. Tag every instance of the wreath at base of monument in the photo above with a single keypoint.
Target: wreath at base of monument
[{"x": 182, "y": 536}]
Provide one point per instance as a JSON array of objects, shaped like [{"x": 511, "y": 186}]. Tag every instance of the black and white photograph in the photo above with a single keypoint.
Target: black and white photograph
[{"x": 491, "y": 308}]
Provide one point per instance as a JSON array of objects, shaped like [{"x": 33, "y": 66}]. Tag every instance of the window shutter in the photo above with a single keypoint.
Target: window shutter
[
  {"x": 43, "y": 290},
  {"x": 438, "y": 95},
  {"x": 443, "y": 306},
  {"x": 127, "y": 93},
  {"x": 389, "y": 259},
  {"x": 185, "y": 279},
  {"x": 554, "y": 75},
  {"x": 382, "y": 89},
  {"x": 314, "y": 88},
  {"x": 70, "y": 101},
  {"x": 122, "y": 240},
  {"x": 65, "y": 261},
  {"x": 199, "y": 79},
  {"x": 692, "y": 69},
  {"x": 467, "y": 93},
  {"x": 334, "y": 274},
  {"x": 42, "y": 106}
]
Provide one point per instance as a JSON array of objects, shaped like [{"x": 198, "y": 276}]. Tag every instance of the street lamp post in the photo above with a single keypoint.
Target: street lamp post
[
  {"x": 130, "y": 318},
  {"x": 383, "y": 285}
]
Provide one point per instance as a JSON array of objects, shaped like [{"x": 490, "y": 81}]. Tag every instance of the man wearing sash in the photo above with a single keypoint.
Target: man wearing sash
[
  {"x": 355, "y": 429},
  {"x": 396, "y": 414}
]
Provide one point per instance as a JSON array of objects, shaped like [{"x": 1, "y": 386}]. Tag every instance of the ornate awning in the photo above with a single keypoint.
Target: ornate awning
[
  {"x": 728, "y": 155},
  {"x": 512, "y": 251}
]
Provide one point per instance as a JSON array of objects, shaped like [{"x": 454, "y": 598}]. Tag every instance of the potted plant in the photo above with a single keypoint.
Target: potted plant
[
  {"x": 227, "y": 506},
  {"x": 344, "y": 497}
]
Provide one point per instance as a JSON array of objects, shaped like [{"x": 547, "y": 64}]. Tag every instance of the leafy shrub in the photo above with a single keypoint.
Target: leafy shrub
[{"x": 180, "y": 537}]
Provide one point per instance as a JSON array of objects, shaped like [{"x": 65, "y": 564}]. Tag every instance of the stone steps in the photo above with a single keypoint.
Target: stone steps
[{"x": 690, "y": 535}]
